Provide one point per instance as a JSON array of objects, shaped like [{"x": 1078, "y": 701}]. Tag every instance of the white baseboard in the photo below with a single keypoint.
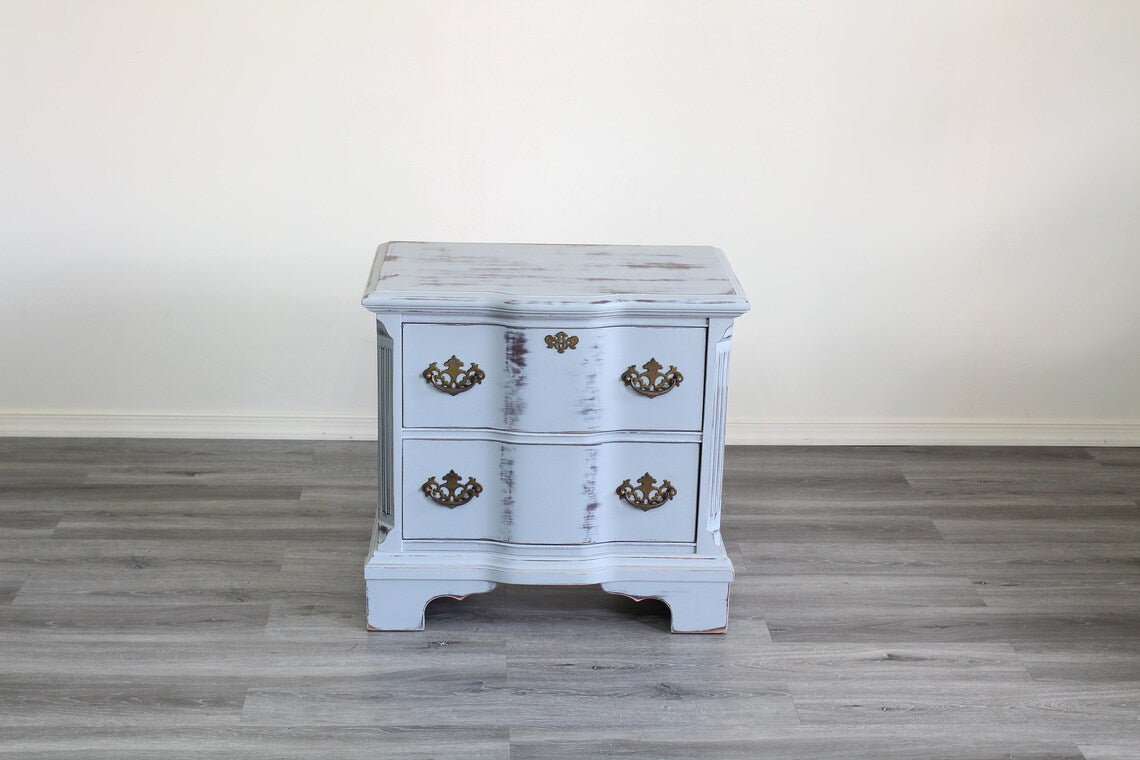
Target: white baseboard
[
  {"x": 187, "y": 426},
  {"x": 932, "y": 433},
  {"x": 745, "y": 432}
]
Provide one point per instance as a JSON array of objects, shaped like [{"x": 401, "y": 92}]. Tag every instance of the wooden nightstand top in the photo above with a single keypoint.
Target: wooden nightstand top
[{"x": 588, "y": 280}]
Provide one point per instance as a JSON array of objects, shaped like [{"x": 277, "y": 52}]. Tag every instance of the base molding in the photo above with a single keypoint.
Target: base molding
[
  {"x": 740, "y": 432},
  {"x": 527, "y": 568},
  {"x": 398, "y": 585}
]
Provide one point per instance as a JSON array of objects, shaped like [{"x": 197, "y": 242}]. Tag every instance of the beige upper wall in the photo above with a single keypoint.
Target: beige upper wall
[{"x": 934, "y": 206}]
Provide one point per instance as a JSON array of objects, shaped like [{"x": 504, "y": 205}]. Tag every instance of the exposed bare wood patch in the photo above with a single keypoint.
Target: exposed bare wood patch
[
  {"x": 514, "y": 401},
  {"x": 661, "y": 265}
]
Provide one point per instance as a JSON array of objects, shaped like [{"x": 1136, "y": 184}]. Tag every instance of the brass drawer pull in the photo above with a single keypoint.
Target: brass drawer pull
[
  {"x": 561, "y": 341},
  {"x": 450, "y": 493},
  {"x": 647, "y": 494},
  {"x": 453, "y": 380},
  {"x": 652, "y": 382}
]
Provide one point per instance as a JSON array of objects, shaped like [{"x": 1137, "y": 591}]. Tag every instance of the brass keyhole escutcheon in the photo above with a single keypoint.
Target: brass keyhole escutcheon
[
  {"x": 651, "y": 381},
  {"x": 450, "y": 493},
  {"x": 453, "y": 379},
  {"x": 562, "y": 342},
  {"x": 646, "y": 495}
]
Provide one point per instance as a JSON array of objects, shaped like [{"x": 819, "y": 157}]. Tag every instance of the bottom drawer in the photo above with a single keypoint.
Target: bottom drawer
[{"x": 550, "y": 494}]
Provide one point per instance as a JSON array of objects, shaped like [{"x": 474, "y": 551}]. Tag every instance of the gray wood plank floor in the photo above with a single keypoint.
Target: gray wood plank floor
[{"x": 165, "y": 598}]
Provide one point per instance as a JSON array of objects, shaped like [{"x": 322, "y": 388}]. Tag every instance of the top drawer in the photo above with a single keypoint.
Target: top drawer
[{"x": 553, "y": 380}]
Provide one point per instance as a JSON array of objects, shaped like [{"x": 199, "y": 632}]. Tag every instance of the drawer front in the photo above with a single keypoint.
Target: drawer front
[
  {"x": 548, "y": 493},
  {"x": 553, "y": 380}
]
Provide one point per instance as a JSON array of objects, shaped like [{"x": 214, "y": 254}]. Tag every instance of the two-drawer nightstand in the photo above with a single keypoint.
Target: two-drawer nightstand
[{"x": 551, "y": 414}]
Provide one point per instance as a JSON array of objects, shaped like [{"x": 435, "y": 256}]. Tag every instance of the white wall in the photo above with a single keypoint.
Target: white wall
[{"x": 935, "y": 206}]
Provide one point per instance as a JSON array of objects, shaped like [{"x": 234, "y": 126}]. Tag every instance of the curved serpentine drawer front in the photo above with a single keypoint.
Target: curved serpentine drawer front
[
  {"x": 553, "y": 379},
  {"x": 550, "y": 493}
]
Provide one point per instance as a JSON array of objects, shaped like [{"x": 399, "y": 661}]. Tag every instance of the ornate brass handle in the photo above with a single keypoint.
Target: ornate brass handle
[
  {"x": 562, "y": 341},
  {"x": 450, "y": 493},
  {"x": 652, "y": 382},
  {"x": 646, "y": 495},
  {"x": 454, "y": 379}
]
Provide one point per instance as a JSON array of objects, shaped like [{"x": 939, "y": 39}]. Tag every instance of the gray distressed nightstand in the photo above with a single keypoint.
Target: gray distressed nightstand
[{"x": 551, "y": 414}]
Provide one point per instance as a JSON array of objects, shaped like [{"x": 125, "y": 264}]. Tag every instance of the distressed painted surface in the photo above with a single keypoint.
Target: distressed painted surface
[
  {"x": 550, "y": 278},
  {"x": 386, "y": 435},
  {"x": 717, "y": 396},
  {"x": 550, "y": 494},
  {"x": 398, "y": 605},
  {"x": 696, "y": 607},
  {"x": 530, "y": 387}
]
